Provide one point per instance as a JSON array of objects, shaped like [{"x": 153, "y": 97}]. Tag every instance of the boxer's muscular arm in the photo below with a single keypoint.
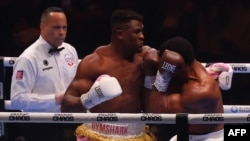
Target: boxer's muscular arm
[
  {"x": 168, "y": 64},
  {"x": 150, "y": 66},
  {"x": 83, "y": 93},
  {"x": 84, "y": 78}
]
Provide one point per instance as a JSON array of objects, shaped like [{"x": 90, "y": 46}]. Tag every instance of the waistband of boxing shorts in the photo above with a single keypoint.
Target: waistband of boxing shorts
[
  {"x": 217, "y": 135},
  {"x": 117, "y": 130}
]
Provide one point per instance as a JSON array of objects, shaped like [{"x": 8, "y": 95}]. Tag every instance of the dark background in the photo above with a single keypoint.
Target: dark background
[{"x": 218, "y": 29}]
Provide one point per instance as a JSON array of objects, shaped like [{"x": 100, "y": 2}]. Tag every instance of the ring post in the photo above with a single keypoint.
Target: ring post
[
  {"x": 2, "y": 108},
  {"x": 182, "y": 127}
]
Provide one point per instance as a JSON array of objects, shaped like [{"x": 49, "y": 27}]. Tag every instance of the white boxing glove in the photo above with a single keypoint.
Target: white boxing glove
[
  {"x": 215, "y": 69},
  {"x": 104, "y": 88},
  {"x": 225, "y": 79},
  {"x": 223, "y": 72}
]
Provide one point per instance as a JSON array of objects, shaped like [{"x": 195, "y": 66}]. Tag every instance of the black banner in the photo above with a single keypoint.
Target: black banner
[{"x": 239, "y": 132}]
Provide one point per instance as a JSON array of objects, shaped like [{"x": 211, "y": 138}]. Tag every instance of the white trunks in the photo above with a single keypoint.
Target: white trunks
[{"x": 214, "y": 136}]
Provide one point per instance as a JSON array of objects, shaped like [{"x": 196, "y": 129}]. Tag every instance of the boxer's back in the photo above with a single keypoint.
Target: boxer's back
[{"x": 202, "y": 96}]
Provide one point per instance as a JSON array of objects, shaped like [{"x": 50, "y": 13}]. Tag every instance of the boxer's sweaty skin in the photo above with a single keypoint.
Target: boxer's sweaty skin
[{"x": 191, "y": 90}]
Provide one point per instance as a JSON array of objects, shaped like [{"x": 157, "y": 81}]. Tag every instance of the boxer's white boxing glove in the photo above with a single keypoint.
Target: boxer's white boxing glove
[
  {"x": 104, "y": 88},
  {"x": 225, "y": 79},
  {"x": 215, "y": 69},
  {"x": 223, "y": 72},
  {"x": 219, "y": 67}
]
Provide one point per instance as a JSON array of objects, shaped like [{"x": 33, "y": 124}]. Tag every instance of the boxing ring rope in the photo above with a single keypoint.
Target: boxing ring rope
[
  {"x": 228, "y": 116},
  {"x": 182, "y": 120},
  {"x": 152, "y": 118},
  {"x": 237, "y": 67},
  {"x": 227, "y": 108}
]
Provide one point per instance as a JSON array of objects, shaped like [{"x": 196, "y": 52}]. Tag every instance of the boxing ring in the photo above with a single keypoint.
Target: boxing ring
[{"x": 232, "y": 113}]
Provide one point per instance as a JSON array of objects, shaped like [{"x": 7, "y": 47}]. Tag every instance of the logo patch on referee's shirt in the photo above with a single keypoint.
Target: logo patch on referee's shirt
[
  {"x": 19, "y": 75},
  {"x": 69, "y": 60}
]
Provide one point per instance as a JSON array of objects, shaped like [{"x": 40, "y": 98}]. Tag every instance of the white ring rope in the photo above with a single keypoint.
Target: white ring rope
[
  {"x": 7, "y": 105},
  {"x": 227, "y": 108},
  {"x": 209, "y": 118},
  {"x": 236, "y": 108},
  {"x": 228, "y": 116},
  {"x": 218, "y": 118},
  {"x": 85, "y": 117},
  {"x": 237, "y": 67},
  {"x": 9, "y": 61}
]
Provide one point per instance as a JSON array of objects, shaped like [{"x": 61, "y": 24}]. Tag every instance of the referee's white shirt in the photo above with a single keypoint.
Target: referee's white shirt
[{"x": 39, "y": 75}]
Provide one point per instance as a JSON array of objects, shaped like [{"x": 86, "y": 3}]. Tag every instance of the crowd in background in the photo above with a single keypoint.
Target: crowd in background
[{"x": 217, "y": 28}]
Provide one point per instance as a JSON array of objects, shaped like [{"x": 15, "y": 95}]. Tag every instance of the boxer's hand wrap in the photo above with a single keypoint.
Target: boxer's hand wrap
[
  {"x": 164, "y": 76},
  {"x": 149, "y": 81},
  {"x": 162, "y": 81},
  {"x": 104, "y": 88},
  {"x": 223, "y": 72}
]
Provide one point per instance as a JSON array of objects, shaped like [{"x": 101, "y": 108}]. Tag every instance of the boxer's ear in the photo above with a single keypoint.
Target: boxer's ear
[{"x": 119, "y": 33}]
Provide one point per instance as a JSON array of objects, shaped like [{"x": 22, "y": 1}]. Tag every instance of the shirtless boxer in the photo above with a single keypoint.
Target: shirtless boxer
[
  {"x": 110, "y": 80},
  {"x": 183, "y": 85}
]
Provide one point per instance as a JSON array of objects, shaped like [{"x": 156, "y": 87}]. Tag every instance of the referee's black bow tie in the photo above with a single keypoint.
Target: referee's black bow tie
[{"x": 56, "y": 49}]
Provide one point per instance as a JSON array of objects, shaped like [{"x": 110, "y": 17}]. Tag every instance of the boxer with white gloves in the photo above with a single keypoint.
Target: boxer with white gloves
[
  {"x": 221, "y": 72},
  {"x": 104, "y": 88},
  {"x": 183, "y": 86},
  {"x": 122, "y": 58}
]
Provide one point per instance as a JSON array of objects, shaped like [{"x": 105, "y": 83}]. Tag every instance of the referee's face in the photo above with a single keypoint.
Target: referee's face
[{"x": 54, "y": 30}]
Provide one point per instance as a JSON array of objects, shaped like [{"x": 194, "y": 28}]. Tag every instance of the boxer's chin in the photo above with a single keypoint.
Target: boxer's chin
[{"x": 139, "y": 50}]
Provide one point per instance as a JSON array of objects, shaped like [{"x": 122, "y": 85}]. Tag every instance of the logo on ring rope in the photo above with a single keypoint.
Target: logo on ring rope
[
  {"x": 234, "y": 109},
  {"x": 19, "y": 117},
  {"x": 107, "y": 117},
  {"x": 239, "y": 67},
  {"x": 248, "y": 117},
  {"x": 213, "y": 117},
  {"x": 63, "y": 117},
  {"x": 12, "y": 61},
  {"x": 151, "y": 117}
]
